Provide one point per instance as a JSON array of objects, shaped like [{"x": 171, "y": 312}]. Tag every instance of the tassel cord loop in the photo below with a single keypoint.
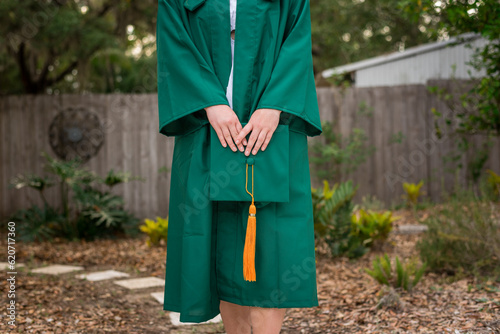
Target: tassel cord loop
[
  {"x": 250, "y": 238},
  {"x": 246, "y": 183}
]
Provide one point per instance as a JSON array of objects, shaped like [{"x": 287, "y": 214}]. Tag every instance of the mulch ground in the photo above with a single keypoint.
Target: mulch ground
[{"x": 348, "y": 297}]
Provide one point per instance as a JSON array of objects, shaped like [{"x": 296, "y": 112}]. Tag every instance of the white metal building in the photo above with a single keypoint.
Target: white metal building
[{"x": 441, "y": 60}]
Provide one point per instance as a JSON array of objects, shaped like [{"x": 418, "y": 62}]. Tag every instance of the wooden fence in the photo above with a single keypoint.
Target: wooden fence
[
  {"x": 399, "y": 123},
  {"x": 132, "y": 143}
]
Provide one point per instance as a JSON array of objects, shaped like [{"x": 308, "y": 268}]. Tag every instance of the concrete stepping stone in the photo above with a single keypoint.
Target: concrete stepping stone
[
  {"x": 56, "y": 269},
  {"x": 411, "y": 229},
  {"x": 158, "y": 296},
  {"x": 175, "y": 319},
  {"x": 141, "y": 283},
  {"x": 102, "y": 275},
  {"x": 6, "y": 265}
]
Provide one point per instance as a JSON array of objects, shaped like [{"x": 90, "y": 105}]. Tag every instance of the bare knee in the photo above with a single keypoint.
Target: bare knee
[{"x": 266, "y": 320}]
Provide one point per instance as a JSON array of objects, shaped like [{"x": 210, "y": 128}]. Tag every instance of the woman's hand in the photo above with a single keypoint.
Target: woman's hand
[
  {"x": 226, "y": 124},
  {"x": 262, "y": 124}
]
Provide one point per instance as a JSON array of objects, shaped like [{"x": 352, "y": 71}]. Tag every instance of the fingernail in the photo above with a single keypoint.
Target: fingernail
[
  {"x": 247, "y": 153},
  {"x": 237, "y": 141},
  {"x": 254, "y": 152}
]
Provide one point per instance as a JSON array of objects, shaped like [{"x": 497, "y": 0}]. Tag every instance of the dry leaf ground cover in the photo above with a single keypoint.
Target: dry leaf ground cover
[{"x": 348, "y": 297}]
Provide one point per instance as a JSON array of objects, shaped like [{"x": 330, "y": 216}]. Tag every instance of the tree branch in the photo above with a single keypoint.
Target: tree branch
[
  {"x": 23, "y": 67},
  {"x": 61, "y": 75}
]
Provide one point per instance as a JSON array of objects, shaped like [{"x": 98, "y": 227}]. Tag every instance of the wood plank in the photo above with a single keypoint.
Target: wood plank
[
  {"x": 359, "y": 109},
  {"x": 5, "y": 156},
  {"x": 416, "y": 157},
  {"x": 128, "y": 152},
  {"x": 393, "y": 175}
]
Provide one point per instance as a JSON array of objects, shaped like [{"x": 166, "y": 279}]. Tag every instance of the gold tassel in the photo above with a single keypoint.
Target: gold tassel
[{"x": 250, "y": 238}]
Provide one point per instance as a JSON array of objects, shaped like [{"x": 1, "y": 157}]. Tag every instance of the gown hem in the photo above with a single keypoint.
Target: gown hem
[
  {"x": 190, "y": 318},
  {"x": 286, "y": 304}
]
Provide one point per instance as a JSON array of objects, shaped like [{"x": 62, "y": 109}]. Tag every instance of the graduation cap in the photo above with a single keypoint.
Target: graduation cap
[{"x": 263, "y": 177}]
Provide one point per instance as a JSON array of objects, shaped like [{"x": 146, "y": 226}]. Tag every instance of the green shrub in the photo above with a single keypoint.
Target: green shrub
[
  {"x": 372, "y": 225},
  {"x": 332, "y": 208},
  {"x": 84, "y": 211},
  {"x": 463, "y": 236},
  {"x": 371, "y": 202},
  {"x": 494, "y": 184},
  {"x": 335, "y": 224},
  {"x": 156, "y": 230},
  {"x": 327, "y": 202},
  {"x": 401, "y": 275},
  {"x": 340, "y": 239},
  {"x": 100, "y": 213},
  {"x": 412, "y": 191},
  {"x": 343, "y": 232},
  {"x": 37, "y": 224}
]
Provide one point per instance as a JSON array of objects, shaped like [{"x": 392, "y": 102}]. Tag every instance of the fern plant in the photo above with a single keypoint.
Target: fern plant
[
  {"x": 327, "y": 202},
  {"x": 402, "y": 275},
  {"x": 156, "y": 230},
  {"x": 332, "y": 209}
]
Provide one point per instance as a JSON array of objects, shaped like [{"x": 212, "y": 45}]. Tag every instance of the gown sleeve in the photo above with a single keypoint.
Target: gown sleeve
[
  {"x": 291, "y": 87},
  {"x": 186, "y": 82}
]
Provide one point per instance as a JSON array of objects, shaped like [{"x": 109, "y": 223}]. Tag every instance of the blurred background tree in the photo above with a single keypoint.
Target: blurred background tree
[
  {"x": 77, "y": 45},
  {"x": 62, "y": 46},
  {"x": 345, "y": 31}
]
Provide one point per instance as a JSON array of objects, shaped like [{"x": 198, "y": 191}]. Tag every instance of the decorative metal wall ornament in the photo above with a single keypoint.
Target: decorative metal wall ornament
[{"x": 76, "y": 133}]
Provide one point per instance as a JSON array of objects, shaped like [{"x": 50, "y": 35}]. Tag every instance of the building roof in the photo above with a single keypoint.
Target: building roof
[{"x": 410, "y": 52}]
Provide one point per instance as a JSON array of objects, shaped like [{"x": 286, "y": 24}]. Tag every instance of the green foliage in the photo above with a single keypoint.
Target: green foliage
[
  {"x": 341, "y": 240},
  {"x": 73, "y": 46},
  {"x": 334, "y": 156},
  {"x": 328, "y": 201},
  {"x": 332, "y": 208},
  {"x": 463, "y": 235},
  {"x": 39, "y": 183},
  {"x": 401, "y": 275},
  {"x": 412, "y": 191},
  {"x": 343, "y": 232},
  {"x": 494, "y": 183},
  {"x": 477, "y": 111},
  {"x": 114, "y": 178},
  {"x": 84, "y": 212},
  {"x": 369, "y": 226},
  {"x": 100, "y": 207},
  {"x": 36, "y": 182},
  {"x": 371, "y": 202},
  {"x": 156, "y": 230},
  {"x": 37, "y": 224}
]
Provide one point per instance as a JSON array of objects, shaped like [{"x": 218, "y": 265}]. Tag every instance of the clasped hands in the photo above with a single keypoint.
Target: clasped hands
[{"x": 226, "y": 124}]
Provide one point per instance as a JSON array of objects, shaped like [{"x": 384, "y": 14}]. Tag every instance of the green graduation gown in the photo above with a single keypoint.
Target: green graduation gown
[{"x": 272, "y": 69}]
